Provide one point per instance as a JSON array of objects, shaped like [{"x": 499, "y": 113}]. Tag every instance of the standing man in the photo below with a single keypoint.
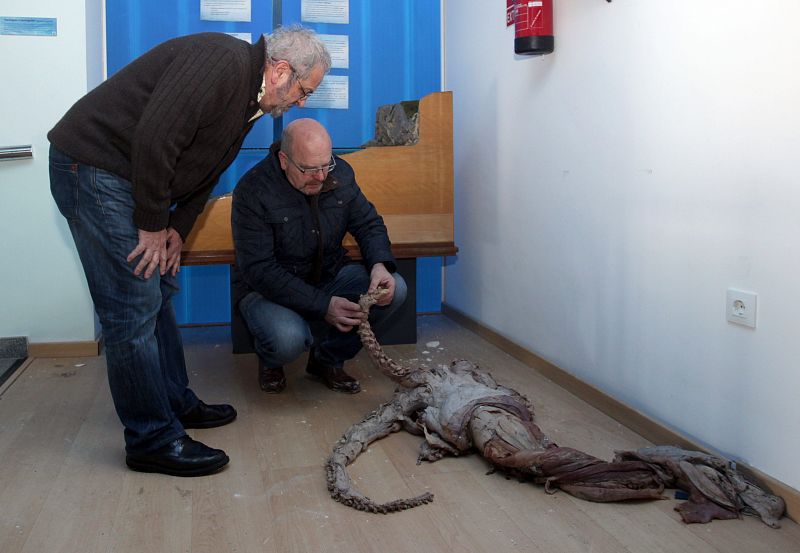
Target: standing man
[
  {"x": 293, "y": 283},
  {"x": 132, "y": 164}
]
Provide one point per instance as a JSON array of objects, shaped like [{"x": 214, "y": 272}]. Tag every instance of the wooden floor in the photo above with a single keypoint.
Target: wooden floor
[{"x": 64, "y": 486}]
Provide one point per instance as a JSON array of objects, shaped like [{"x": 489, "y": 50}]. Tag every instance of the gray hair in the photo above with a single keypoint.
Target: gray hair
[{"x": 300, "y": 46}]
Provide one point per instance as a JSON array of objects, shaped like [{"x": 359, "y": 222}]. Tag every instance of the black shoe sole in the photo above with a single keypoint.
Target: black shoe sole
[
  {"x": 334, "y": 388},
  {"x": 275, "y": 389},
  {"x": 345, "y": 390},
  {"x": 209, "y": 424},
  {"x": 140, "y": 466}
]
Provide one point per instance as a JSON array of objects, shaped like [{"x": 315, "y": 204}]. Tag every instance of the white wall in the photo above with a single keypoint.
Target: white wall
[
  {"x": 608, "y": 194},
  {"x": 43, "y": 293}
]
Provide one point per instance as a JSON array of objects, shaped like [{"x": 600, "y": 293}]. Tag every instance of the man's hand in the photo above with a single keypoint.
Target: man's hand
[
  {"x": 344, "y": 314},
  {"x": 380, "y": 277},
  {"x": 153, "y": 249},
  {"x": 174, "y": 247}
]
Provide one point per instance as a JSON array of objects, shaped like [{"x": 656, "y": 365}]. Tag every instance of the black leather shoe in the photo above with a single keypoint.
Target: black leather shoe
[
  {"x": 208, "y": 416},
  {"x": 181, "y": 457},
  {"x": 271, "y": 379},
  {"x": 334, "y": 377}
]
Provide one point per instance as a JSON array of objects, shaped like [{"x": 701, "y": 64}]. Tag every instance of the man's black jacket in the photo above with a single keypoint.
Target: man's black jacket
[{"x": 277, "y": 232}]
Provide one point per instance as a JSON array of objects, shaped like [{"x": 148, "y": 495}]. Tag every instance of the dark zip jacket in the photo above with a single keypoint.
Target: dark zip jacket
[
  {"x": 288, "y": 244},
  {"x": 170, "y": 122}
]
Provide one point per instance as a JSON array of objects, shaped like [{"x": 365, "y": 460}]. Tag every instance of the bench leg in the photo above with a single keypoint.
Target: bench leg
[
  {"x": 403, "y": 329},
  {"x": 240, "y": 335}
]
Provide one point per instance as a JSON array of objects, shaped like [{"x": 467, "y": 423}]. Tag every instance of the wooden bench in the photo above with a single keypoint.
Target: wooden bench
[{"x": 411, "y": 187}]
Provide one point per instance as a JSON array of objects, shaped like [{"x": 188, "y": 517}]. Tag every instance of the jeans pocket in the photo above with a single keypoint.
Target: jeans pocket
[{"x": 64, "y": 187}]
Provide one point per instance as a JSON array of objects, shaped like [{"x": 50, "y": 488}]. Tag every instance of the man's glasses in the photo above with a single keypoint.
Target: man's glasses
[
  {"x": 324, "y": 169},
  {"x": 306, "y": 92}
]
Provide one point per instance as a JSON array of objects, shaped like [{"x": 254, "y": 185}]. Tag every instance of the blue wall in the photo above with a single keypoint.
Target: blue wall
[{"x": 394, "y": 56}]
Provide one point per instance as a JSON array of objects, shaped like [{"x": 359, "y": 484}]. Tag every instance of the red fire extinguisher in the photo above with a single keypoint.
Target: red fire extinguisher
[{"x": 533, "y": 27}]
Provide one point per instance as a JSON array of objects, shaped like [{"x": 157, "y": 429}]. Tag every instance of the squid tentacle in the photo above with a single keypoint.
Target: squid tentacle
[
  {"x": 382, "y": 422},
  {"x": 405, "y": 376}
]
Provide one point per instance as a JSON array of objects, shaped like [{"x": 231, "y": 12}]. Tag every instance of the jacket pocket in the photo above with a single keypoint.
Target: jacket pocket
[{"x": 288, "y": 243}]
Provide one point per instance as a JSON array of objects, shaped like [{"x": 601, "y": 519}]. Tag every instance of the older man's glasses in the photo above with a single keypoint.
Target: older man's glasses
[
  {"x": 306, "y": 92},
  {"x": 322, "y": 169}
]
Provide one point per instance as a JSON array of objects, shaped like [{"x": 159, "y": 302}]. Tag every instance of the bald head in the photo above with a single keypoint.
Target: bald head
[
  {"x": 305, "y": 155},
  {"x": 305, "y": 135}
]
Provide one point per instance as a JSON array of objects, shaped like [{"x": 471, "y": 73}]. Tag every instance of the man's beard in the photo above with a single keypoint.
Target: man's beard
[
  {"x": 282, "y": 93},
  {"x": 278, "y": 111}
]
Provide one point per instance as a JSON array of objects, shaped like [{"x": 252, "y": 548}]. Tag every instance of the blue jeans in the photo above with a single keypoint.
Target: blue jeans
[
  {"x": 281, "y": 335},
  {"x": 144, "y": 351}
]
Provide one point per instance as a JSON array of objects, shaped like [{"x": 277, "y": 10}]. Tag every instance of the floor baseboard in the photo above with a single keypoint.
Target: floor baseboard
[{"x": 89, "y": 348}]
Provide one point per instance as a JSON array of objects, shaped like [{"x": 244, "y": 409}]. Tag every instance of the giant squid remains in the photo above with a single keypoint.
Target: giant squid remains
[{"x": 460, "y": 408}]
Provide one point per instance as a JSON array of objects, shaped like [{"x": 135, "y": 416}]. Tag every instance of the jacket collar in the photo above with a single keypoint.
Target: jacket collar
[{"x": 257, "y": 58}]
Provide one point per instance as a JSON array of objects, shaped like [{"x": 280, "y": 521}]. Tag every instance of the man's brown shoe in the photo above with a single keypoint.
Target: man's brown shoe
[
  {"x": 334, "y": 377},
  {"x": 271, "y": 379}
]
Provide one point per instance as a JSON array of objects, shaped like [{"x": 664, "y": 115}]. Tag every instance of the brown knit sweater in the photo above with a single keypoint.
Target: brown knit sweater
[{"x": 170, "y": 122}]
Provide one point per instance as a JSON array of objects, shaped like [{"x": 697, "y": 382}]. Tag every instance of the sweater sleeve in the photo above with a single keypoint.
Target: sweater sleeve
[
  {"x": 184, "y": 215},
  {"x": 193, "y": 91}
]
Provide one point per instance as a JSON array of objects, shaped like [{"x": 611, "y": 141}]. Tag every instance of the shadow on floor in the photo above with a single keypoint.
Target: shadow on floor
[{"x": 8, "y": 366}]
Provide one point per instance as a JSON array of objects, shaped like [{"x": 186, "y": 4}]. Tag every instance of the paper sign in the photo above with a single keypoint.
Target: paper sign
[
  {"x": 225, "y": 10},
  {"x": 332, "y": 93},
  {"x": 325, "y": 11},
  {"x": 29, "y": 26},
  {"x": 339, "y": 48},
  {"x": 247, "y": 37}
]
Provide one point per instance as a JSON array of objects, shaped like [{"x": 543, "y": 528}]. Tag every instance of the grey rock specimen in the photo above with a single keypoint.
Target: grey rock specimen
[{"x": 396, "y": 125}]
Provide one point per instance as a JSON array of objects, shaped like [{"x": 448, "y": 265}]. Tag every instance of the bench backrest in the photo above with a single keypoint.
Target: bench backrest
[{"x": 411, "y": 186}]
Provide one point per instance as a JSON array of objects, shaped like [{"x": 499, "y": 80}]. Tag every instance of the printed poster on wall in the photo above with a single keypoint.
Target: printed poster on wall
[
  {"x": 225, "y": 10},
  {"x": 333, "y": 93},
  {"x": 339, "y": 48},
  {"x": 247, "y": 37},
  {"x": 30, "y": 26},
  {"x": 325, "y": 11}
]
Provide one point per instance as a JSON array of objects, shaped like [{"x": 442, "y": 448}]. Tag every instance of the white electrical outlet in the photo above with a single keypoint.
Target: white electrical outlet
[{"x": 741, "y": 307}]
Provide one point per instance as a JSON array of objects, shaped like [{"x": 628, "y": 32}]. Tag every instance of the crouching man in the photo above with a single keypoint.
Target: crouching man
[{"x": 293, "y": 283}]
